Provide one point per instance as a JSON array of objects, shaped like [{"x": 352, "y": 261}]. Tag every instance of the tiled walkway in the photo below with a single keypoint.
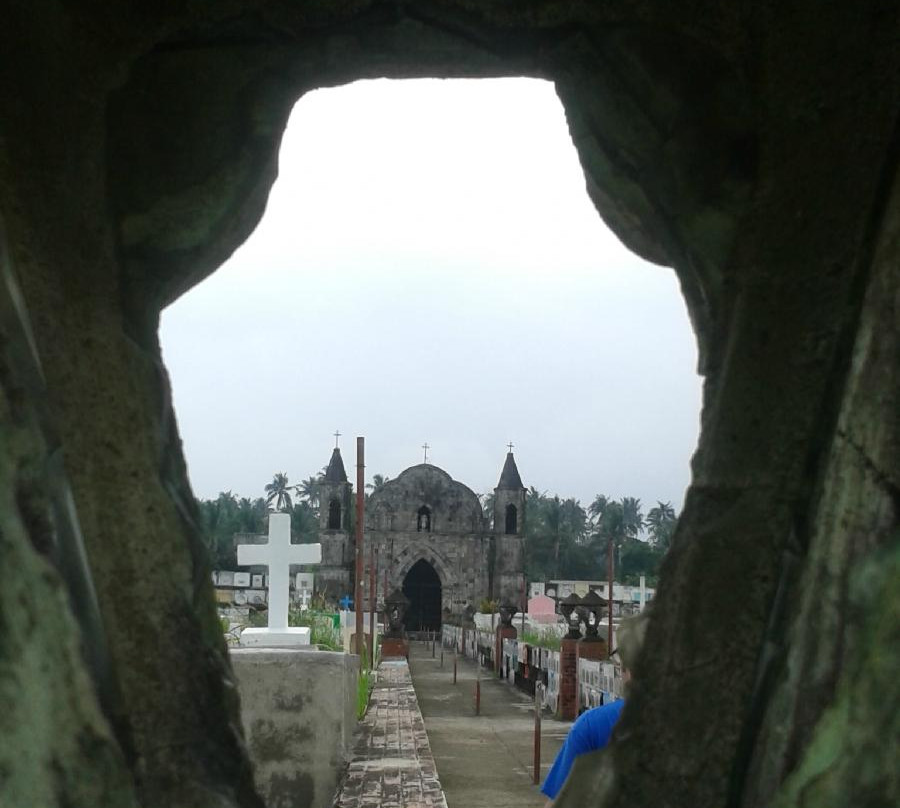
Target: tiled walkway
[{"x": 392, "y": 765}]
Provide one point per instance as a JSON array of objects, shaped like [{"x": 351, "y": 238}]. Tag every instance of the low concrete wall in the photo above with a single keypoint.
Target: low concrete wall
[{"x": 298, "y": 707}]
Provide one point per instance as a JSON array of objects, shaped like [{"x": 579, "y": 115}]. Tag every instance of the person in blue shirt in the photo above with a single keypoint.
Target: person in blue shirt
[{"x": 593, "y": 729}]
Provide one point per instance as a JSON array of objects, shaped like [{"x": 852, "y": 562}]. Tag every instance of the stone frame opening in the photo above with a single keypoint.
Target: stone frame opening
[
  {"x": 703, "y": 133},
  {"x": 423, "y": 587},
  {"x": 423, "y": 520}
]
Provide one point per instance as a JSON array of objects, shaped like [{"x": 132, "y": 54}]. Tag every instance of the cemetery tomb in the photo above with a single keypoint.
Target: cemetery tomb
[{"x": 278, "y": 554}]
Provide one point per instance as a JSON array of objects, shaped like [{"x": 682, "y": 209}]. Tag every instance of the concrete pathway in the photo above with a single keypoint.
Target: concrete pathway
[{"x": 482, "y": 761}]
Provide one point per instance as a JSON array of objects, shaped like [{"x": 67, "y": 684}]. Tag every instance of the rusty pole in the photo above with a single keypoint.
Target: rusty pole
[
  {"x": 609, "y": 566},
  {"x": 524, "y": 605},
  {"x": 360, "y": 518},
  {"x": 538, "y": 694},
  {"x": 477, "y": 687},
  {"x": 373, "y": 601}
]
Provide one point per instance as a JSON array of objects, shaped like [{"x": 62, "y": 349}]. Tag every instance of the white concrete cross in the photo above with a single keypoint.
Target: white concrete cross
[{"x": 278, "y": 555}]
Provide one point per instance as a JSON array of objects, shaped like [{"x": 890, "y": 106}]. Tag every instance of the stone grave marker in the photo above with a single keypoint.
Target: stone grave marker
[
  {"x": 242, "y": 579},
  {"x": 278, "y": 555},
  {"x": 225, "y": 578},
  {"x": 257, "y": 581}
]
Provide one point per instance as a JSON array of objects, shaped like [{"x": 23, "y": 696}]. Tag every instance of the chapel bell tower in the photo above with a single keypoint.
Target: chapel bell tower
[
  {"x": 333, "y": 575},
  {"x": 509, "y": 529}
]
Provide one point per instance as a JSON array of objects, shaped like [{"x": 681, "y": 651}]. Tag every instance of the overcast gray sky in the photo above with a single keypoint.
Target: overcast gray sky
[{"x": 430, "y": 268}]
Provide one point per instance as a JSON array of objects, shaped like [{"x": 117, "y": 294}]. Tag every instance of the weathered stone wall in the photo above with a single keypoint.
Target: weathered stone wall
[
  {"x": 455, "y": 509},
  {"x": 509, "y": 569},
  {"x": 461, "y": 562},
  {"x": 502, "y": 499},
  {"x": 458, "y": 545},
  {"x": 753, "y": 147},
  {"x": 298, "y": 709},
  {"x": 58, "y": 747}
]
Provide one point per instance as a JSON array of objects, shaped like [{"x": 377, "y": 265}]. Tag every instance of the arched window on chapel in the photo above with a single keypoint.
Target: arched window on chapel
[
  {"x": 512, "y": 519},
  {"x": 334, "y": 515}
]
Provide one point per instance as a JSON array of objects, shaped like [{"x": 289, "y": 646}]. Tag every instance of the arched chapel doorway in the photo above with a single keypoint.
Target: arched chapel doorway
[{"x": 423, "y": 588}]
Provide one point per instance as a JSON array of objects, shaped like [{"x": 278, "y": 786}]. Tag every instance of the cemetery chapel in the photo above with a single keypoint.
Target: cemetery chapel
[{"x": 431, "y": 537}]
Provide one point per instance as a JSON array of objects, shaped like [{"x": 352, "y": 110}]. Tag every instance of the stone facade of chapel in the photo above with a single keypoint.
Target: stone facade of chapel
[{"x": 432, "y": 539}]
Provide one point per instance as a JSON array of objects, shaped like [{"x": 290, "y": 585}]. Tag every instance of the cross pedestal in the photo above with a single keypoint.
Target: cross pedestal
[{"x": 278, "y": 555}]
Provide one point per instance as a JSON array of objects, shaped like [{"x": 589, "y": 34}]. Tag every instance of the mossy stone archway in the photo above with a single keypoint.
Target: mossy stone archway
[
  {"x": 751, "y": 147},
  {"x": 422, "y": 585}
]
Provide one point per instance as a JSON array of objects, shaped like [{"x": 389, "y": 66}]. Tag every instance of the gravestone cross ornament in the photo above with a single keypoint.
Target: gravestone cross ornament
[
  {"x": 278, "y": 555},
  {"x": 346, "y": 602}
]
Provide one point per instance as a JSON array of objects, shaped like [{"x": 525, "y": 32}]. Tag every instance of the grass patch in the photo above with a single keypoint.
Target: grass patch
[
  {"x": 324, "y": 628},
  {"x": 545, "y": 639},
  {"x": 363, "y": 690}
]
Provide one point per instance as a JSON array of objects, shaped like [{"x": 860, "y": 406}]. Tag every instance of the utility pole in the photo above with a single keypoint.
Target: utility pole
[
  {"x": 360, "y": 519},
  {"x": 611, "y": 570},
  {"x": 524, "y": 603},
  {"x": 373, "y": 601}
]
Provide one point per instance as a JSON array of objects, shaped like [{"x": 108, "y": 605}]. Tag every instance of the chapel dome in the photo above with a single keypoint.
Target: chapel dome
[{"x": 425, "y": 498}]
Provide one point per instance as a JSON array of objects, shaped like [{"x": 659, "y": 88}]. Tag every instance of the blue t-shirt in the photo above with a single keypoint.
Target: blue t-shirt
[{"x": 591, "y": 731}]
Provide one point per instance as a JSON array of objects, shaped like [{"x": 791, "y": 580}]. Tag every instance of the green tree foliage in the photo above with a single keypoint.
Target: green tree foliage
[
  {"x": 279, "y": 492},
  {"x": 227, "y": 515},
  {"x": 224, "y": 516},
  {"x": 308, "y": 491},
  {"x": 556, "y": 538},
  {"x": 617, "y": 523},
  {"x": 304, "y": 523},
  {"x": 661, "y": 523},
  {"x": 563, "y": 540},
  {"x": 378, "y": 482}
]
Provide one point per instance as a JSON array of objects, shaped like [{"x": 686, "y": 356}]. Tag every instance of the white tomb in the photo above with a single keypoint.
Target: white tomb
[{"x": 278, "y": 555}]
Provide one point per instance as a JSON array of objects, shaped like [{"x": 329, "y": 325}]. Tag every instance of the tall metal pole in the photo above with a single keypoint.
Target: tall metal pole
[
  {"x": 360, "y": 518},
  {"x": 538, "y": 704},
  {"x": 373, "y": 600},
  {"x": 524, "y": 605},
  {"x": 477, "y": 685},
  {"x": 609, "y": 566}
]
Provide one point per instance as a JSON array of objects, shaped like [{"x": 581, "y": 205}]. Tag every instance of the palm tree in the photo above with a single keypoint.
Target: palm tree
[
  {"x": 279, "y": 491},
  {"x": 661, "y": 521},
  {"x": 619, "y": 521},
  {"x": 304, "y": 523},
  {"x": 632, "y": 517},
  {"x": 598, "y": 506},
  {"x": 308, "y": 490},
  {"x": 250, "y": 515},
  {"x": 662, "y": 513},
  {"x": 553, "y": 519},
  {"x": 378, "y": 481}
]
